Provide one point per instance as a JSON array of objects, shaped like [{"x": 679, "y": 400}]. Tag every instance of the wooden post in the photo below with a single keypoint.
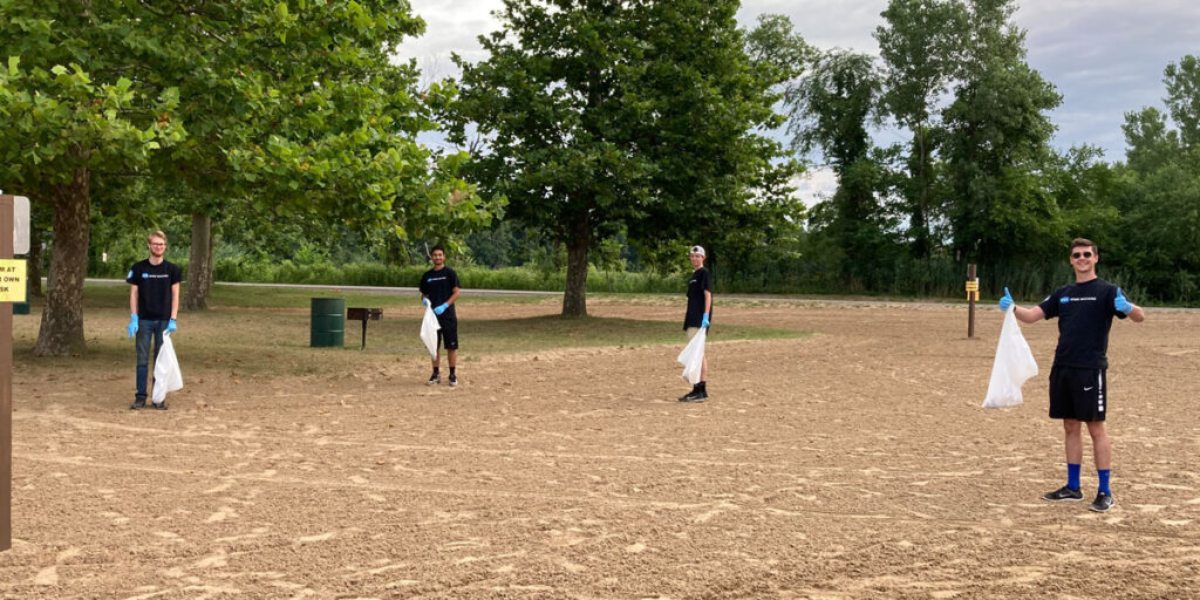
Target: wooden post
[
  {"x": 6, "y": 377},
  {"x": 972, "y": 296}
]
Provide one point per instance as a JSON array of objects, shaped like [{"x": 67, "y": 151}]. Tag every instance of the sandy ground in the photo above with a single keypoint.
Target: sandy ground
[{"x": 854, "y": 463}]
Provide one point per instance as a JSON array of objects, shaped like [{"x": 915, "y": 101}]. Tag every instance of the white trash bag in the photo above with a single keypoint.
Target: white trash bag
[
  {"x": 167, "y": 376},
  {"x": 1013, "y": 367},
  {"x": 692, "y": 357},
  {"x": 429, "y": 329}
]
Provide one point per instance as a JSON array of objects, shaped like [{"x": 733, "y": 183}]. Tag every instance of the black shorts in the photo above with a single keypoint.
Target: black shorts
[
  {"x": 448, "y": 334},
  {"x": 1079, "y": 394}
]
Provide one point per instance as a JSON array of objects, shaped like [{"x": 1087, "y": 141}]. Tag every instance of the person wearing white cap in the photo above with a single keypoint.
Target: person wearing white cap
[{"x": 699, "y": 313}]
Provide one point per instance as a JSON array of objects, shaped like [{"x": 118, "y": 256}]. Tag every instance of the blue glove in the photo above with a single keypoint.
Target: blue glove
[
  {"x": 424, "y": 301},
  {"x": 1006, "y": 301},
  {"x": 1121, "y": 303},
  {"x": 441, "y": 308},
  {"x": 704, "y": 321},
  {"x": 170, "y": 327},
  {"x": 133, "y": 325}
]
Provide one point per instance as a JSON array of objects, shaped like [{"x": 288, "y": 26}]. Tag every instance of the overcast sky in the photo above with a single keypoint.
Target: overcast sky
[{"x": 1106, "y": 57}]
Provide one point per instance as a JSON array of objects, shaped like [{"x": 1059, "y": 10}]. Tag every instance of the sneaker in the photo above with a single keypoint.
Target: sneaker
[
  {"x": 1063, "y": 494},
  {"x": 138, "y": 404},
  {"x": 453, "y": 380},
  {"x": 1102, "y": 503},
  {"x": 434, "y": 379},
  {"x": 162, "y": 406},
  {"x": 695, "y": 396}
]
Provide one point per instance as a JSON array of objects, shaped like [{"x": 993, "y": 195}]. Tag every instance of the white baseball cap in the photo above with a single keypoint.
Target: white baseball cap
[{"x": 697, "y": 250}]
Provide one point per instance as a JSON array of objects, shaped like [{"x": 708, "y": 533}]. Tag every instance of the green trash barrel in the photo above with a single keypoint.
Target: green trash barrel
[{"x": 328, "y": 322}]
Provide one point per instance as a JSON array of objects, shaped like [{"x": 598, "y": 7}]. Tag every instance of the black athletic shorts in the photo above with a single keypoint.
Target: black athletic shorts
[
  {"x": 1079, "y": 394},
  {"x": 448, "y": 335}
]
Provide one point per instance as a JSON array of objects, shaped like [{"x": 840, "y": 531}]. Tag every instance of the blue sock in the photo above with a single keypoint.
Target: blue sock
[
  {"x": 1104, "y": 475},
  {"x": 1073, "y": 476}
]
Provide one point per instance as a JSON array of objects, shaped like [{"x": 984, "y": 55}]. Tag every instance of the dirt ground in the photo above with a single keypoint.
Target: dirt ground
[{"x": 853, "y": 463}]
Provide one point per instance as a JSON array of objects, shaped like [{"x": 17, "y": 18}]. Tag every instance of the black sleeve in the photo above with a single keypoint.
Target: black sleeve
[
  {"x": 130, "y": 278},
  {"x": 454, "y": 280},
  {"x": 1050, "y": 305},
  {"x": 423, "y": 287},
  {"x": 176, "y": 274},
  {"x": 706, "y": 282},
  {"x": 1111, "y": 303}
]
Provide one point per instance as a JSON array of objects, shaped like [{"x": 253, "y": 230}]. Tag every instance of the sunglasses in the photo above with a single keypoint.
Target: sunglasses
[{"x": 1079, "y": 254}]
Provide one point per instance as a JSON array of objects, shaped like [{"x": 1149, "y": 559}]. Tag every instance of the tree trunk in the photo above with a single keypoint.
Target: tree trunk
[
  {"x": 200, "y": 264},
  {"x": 61, "y": 332},
  {"x": 575, "y": 298},
  {"x": 919, "y": 219},
  {"x": 35, "y": 264}
]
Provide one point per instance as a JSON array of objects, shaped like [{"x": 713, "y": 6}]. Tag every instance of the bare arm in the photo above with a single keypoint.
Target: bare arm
[
  {"x": 707, "y": 302},
  {"x": 1137, "y": 314},
  {"x": 174, "y": 300},
  {"x": 1029, "y": 315},
  {"x": 133, "y": 299},
  {"x": 453, "y": 297}
]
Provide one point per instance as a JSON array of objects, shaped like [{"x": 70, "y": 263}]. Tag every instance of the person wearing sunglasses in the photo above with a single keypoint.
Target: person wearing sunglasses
[
  {"x": 1078, "y": 379},
  {"x": 153, "y": 306}
]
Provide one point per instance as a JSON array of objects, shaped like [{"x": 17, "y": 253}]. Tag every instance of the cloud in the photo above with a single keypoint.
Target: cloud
[
  {"x": 815, "y": 185},
  {"x": 1105, "y": 56}
]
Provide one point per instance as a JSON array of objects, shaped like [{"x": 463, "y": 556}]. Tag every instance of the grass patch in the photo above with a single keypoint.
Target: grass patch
[{"x": 263, "y": 332}]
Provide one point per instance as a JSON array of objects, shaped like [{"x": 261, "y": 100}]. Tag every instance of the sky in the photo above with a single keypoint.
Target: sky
[{"x": 1106, "y": 57}]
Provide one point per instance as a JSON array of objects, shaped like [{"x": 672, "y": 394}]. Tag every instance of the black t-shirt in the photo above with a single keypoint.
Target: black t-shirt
[
  {"x": 154, "y": 288},
  {"x": 699, "y": 283},
  {"x": 438, "y": 285},
  {"x": 1085, "y": 312}
]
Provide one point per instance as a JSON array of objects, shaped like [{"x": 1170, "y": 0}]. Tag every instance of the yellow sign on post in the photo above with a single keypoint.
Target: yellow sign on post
[
  {"x": 973, "y": 290},
  {"x": 12, "y": 281}
]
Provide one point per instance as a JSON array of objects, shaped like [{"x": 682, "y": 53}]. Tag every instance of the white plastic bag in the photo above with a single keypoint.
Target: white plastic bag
[
  {"x": 429, "y": 329},
  {"x": 1013, "y": 367},
  {"x": 167, "y": 376},
  {"x": 692, "y": 357}
]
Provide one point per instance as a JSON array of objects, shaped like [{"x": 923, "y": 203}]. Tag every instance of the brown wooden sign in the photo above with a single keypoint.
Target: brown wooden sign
[{"x": 6, "y": 377}]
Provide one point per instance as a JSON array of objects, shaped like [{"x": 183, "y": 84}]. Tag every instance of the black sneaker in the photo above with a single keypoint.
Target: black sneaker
[
  {"x": 695, "y": 396},
  {"x": 453, "y": 381},
  {"x": 1063, "y": 494},
  {"x": 162, "y": 406},
  {"x": 1102, "y": 503},
  {"x": 138, "y": 404},
  {"x": 434, "y": 379}
]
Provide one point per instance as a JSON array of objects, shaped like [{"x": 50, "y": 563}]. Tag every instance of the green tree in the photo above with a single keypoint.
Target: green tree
[
  {"x": 1085, "y": 187},
  {"x": 834, "y": 107},
  {"x": 72, "y": 110},
  {"x": 300, "y": 114},
  {"x": 294, "y": 110},
  {"x": 595, "y": 116},
  {"x": 1159, "y": 201},
  {"x": 1183, "y": 98},
  {"x": 996, "y": 139},
  {"x": 919, "y": 46}
]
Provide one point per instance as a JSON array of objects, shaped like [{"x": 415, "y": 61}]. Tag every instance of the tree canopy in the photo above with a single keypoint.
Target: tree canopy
[
  {"x": 277, "y": 110},
  {"x": 600, "y": 116}
]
